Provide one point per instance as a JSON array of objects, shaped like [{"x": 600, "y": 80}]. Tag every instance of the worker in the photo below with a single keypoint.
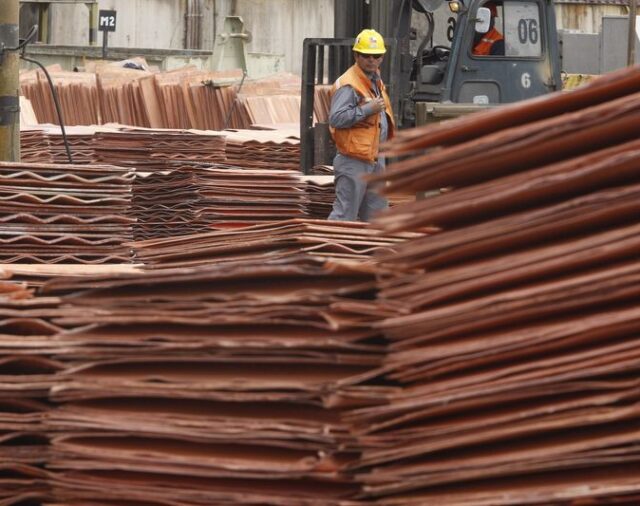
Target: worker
[
  {"x": 360, "y": 120},
  {"x": 492, "y": 42}
]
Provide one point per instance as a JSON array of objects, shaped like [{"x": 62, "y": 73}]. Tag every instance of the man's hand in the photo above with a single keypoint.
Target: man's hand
[{"x": 377, "y": 105}]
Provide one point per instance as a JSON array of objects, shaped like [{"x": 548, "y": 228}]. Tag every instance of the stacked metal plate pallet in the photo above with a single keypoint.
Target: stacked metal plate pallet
[
  {"x": 212, "y": 385},
  {"x": 271, "y": 242},
  {"x": 322, "y": 193},
  {"x": 79, "y": 97},
  {"x": 61, "y": 213},
  {"x": 81, "y": 144},
  {"x": 198, "y": 196},
  {"x": 180, "y": 188},
  {"x": 34, "y": 145},
  {"x": 28, "y": 370},
  {"x": 44, "y": 143},
  {"x": 180, "y": 98},
  {"x": 269, "y": 149},
  {"x": 152, "y": 150},
  {"x": 145, "y": 149},
  {"x": 164, "y": 205},
  {"x": 516, "y": 335}
]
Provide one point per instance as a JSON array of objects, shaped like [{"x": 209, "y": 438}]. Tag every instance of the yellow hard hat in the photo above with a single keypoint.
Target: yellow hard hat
[{"x": 369, "y": 42}]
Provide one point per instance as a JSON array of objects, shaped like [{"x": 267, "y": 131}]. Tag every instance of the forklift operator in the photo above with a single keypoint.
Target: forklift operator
[
  {"x": 492, "y": 42},
  {"x": 360, "y": 120}
]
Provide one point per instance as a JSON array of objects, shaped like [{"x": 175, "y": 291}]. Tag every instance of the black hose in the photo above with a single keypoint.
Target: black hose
[
  {"x": 56, "y": 102},
  {"x": 22, "y": 47}
]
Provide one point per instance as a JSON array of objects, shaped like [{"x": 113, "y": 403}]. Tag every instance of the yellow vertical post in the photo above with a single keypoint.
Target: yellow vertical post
[
  {"x": 93, "y": 23},
  {"x": 9, "y": 83},
  {"x": 43, "y": 23}
]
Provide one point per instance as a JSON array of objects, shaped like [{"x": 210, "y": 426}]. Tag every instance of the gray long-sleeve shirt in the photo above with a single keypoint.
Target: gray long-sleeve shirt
[{"x": 345, "y": 111}]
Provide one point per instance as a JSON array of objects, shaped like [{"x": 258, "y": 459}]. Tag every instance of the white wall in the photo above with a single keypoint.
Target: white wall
[
  {"x": 585, "y": 18},
  {"x": 278, "y": 27},
  {"x": 157, "y": 24}
]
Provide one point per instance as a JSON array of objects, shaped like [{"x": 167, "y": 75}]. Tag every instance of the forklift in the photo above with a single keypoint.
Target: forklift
[{"x": 432, "y": 71}]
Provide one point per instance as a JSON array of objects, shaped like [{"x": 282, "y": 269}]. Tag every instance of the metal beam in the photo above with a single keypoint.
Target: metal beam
[{"x": 9, "y": 84}]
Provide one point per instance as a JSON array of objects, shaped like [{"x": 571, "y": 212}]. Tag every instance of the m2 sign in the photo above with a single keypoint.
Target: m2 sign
[{"x": 107, "y": 21}]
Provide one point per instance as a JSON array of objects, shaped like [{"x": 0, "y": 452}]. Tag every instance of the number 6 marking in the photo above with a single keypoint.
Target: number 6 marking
[{"x": 526, "y": 80}]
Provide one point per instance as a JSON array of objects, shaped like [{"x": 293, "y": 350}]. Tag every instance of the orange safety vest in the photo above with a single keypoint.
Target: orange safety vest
[
  {"x": 362, "y": 140},
  {"x": 483, "y": 48}
]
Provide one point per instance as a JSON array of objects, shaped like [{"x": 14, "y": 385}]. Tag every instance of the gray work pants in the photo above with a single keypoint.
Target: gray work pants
[{"x": 356, "y": 200}]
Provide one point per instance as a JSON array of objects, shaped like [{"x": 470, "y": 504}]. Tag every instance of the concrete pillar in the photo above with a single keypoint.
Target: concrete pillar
[{"x": 9, "y": 84}]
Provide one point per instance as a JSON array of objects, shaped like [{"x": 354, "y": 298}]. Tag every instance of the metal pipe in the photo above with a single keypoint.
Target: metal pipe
[
  {"x": 631, "y": 47},
  {"x": 9, "y": 83}
]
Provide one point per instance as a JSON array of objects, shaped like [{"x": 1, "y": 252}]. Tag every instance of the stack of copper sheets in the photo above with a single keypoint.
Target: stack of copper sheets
[
  {"x": 272, "y": 100},
  {"x": 61, "y": 213},
  {"x": 121, "y": 96},
  {"x": 142, "y": 148},
  {"x": 34, "y": 145},
  {"x": 193, "y": 198},
  {"x": 516, "y": 338},
  {"x": 213, "y": 106},
  {"x": 30, "y": 367},
  {"x": 190, "y": 98},
  {"x": 275, "y": 109},
  {"x": 321, "y": 192},
  {"x": 77, "y": 93},
  {"x": 158, "y": 149},
  {"x": 235, "y": 197},
  {"x": 27, "y": 372},
  {"x": 165, "y": 205},
  {"x": 268, "y": 149},
  {"x": 45, "y": 144},
  {"x": 149, "y": 149},
  {"x": 183, "y": 98},
  {"x": 33, "y": 276},
  {"x": 212, "y": 385},
  {"x": 81, "y": 140},
  {"x": 271, "y": 242}
]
